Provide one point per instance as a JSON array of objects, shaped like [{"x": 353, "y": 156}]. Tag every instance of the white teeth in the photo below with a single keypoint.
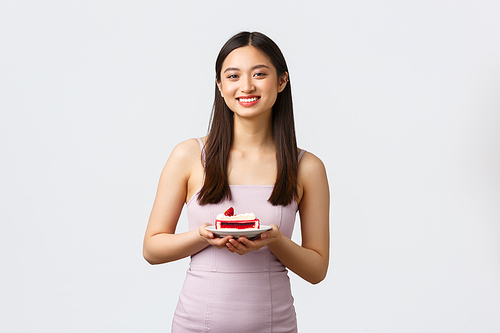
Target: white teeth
[{"x": 248, "y": 100}]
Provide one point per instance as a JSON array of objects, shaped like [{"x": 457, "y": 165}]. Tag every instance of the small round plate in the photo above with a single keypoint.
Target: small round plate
[{"x": 248, "y": 233}]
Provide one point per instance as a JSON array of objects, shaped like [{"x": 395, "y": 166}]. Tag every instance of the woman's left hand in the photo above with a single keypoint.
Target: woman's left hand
[{"x": 243, "y": 245}]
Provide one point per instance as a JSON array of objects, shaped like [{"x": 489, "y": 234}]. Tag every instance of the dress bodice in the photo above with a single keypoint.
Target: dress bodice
[{"x": 245, "y": 199}]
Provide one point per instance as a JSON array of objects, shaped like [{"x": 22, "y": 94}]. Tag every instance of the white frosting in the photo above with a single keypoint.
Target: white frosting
[{"x": 246, "y": 216}]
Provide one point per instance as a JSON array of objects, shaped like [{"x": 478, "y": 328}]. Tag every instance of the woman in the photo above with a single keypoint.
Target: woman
[{"x": 250, "y": 161}]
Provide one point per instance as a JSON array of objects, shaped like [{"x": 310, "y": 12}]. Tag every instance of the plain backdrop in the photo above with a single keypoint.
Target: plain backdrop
[{"x": 400, "y": 99}]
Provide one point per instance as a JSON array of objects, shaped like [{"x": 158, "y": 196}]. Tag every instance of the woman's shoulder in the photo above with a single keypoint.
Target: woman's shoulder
[
  {"x": 309, "y": 166},
  {"x": 310, "y": 160},
  {"x": 187, "y": 149},
  {"x": 311, "y": 174},
  {"x": 186, "y": 155}
]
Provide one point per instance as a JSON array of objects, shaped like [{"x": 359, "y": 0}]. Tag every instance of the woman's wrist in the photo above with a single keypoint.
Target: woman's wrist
[
  {"x": 204, "y": 234},
  {"x": 275, "y": 238}
]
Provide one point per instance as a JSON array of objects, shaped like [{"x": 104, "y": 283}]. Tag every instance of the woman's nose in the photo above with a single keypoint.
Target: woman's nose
[{"x": 246, "y": 84}]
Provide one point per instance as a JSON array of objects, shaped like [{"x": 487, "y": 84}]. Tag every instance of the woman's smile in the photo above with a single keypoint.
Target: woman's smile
[{"x": 248, "y": 100}]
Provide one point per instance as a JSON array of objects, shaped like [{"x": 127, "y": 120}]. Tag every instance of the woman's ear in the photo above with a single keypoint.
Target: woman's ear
[
  {"x": 219, "y": 85},
  {"x": 283, "y": 81}
]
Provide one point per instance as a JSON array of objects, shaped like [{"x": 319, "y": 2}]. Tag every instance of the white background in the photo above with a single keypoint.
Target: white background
[{"x": 400, "y": 99}]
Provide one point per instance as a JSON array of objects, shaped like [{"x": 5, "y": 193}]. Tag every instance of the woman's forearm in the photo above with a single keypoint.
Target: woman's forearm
[
  {"x": 164, "y": 247},
  {"x": 306, "y": 263}
]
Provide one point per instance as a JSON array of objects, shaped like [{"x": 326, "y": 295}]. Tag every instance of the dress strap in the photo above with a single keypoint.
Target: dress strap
[
  {"x": 302, "y": 151},
  {"x": 202, "y": 147}
]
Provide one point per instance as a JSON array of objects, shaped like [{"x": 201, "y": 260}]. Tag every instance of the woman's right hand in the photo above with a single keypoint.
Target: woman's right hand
[{"x": 211, "y": 239}]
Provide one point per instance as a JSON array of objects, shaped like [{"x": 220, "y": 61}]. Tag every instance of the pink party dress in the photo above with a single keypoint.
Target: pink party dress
[{"x": 227, "y": 292}]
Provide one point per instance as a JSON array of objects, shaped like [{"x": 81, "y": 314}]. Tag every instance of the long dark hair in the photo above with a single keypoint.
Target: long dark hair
[{"x": 220, "y": 134}]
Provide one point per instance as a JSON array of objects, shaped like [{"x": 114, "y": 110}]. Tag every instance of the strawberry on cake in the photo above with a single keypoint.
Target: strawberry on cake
[{"x": 241, "y": 221}]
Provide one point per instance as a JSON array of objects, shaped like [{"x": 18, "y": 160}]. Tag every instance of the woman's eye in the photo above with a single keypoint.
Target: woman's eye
[
  {"x": 232, "y": 76},
  {"x": 260, "y": 74}
]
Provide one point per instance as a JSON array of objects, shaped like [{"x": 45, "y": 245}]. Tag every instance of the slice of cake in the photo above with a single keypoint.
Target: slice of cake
[{"x": 241, "y": 221}]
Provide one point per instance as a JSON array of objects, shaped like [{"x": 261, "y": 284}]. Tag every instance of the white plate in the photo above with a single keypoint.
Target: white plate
[{"x": 248, "y": 233}]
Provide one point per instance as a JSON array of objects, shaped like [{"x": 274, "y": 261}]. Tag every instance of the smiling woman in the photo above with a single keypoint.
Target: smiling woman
[
  {"x": 249, "y": 160},
  {"x": 249, "y": 83}
]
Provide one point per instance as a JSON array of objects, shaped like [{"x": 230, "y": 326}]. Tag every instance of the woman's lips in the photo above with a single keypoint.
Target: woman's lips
[{"x": 248, "y": 100}]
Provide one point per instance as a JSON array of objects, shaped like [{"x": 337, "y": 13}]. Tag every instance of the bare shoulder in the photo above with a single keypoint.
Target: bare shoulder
[
  {"x": 309, "y": 166},
  {"x": 185, "y": 158},
  {"x": 188, "y": 149},
  {"x": 311, "y": 177}
]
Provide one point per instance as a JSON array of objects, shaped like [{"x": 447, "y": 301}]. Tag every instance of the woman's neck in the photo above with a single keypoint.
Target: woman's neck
[{"x": 251, "y": 134}]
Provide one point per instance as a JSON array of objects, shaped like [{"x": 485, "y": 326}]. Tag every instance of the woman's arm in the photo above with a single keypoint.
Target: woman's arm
[
  {"x": 309, "y": 261},
  {"x": 161, "y": 244}
]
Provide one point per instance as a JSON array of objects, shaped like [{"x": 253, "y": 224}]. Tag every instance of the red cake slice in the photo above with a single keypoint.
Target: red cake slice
[{"x": 241, "y": 221}]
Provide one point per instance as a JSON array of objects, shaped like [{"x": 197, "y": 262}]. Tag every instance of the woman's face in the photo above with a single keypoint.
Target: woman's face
[{"x": 249, "y": 83}]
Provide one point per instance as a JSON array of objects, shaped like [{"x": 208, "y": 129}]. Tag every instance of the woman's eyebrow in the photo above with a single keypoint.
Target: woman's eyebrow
[
  {"x": 231, "y": 69},
  {"x": 237, "y": 69},
  {"x": 260, "y": 66}
]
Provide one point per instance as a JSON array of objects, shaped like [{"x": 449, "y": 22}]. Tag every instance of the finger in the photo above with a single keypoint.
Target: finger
[
  {"x": 234, "y": 243},
  {"x": 230, "y": 247},
  {"x": 225, "y": 239},
  {"x": 235, "y": 250},
  {"x": 203, "y": 231},
  {"x": 236, "y": 246},
  {"x": 245, "y": 241},
  {"x": 241, "y": 242},
  {"x": 220, "y": 241}
]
